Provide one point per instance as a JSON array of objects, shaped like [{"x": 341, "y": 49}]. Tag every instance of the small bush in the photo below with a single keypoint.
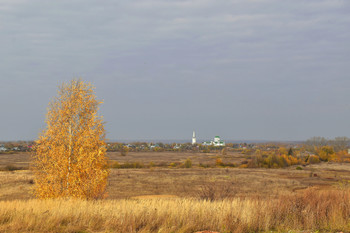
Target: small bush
[
  {"x": 115, "y": 165},
  {"x": 138, "y": 165},
  {"x": 188, "y": 163},
  {"x": 219, "y": 162},
  {"x": 313, "y": 159},
  {"x": 214, "y": 191},
  {"x": 124, "y": 150},
  {"x": 132, "y": 165},
  {"x": 299, "y": 168},
  {"x": 206, "y": 150}
]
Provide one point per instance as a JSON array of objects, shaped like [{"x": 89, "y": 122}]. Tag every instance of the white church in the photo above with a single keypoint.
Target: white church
[{"x": 216, "y": 142}]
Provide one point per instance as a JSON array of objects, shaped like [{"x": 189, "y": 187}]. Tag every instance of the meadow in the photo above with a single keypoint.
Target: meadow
[{"x": 163, "y": 198}]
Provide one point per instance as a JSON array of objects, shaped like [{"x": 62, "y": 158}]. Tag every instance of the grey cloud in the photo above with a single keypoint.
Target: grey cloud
[{"x": 264, "y": 69}]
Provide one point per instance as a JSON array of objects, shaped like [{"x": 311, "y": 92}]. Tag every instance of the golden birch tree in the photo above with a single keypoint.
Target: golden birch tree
[{"x": 69, "y": 158}]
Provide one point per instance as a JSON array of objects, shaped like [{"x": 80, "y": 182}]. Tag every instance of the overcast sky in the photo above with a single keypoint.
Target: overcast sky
[{"x": 258, "y": 69}]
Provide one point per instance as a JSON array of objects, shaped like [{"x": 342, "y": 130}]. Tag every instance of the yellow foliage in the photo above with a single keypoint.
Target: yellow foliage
[
  {"x": 69, "y": 159},
  {"x": 218, "y": 162},
  {"x": 341, "y": 156},
  {"x": 293, "y": 160},
  {"x": 326, "y": 153},
  {"x": 282, "y": 151},
  {"x": 313, "y": 159}
]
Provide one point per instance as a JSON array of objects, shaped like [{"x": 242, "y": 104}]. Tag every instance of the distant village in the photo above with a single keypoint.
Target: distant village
[
  {"x": 16, "y": 146},
  {"x": 217, "y": 143}
]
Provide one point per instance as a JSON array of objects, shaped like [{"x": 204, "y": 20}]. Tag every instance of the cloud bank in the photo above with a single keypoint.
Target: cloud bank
[{"x": 262, "y": 69}]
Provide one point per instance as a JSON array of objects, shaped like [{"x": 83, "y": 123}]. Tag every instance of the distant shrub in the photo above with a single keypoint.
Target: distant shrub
[
  {"x": 326, "y": 153},
  {"x": 299, "y": 168},
  {"x": 218, "y": 162},
  {"x": 124, "y": 150},
  {"x": 158, "y": 149},
  {"x": 188, "y": 163},
  {"x": 115, "y": 165},
  {"x": 313, "y": 159},
  {"x": 206, "y": 150},
  {"x": 214, "y": 191},
  {"x": 138, "y": 165},
  {"x": 131, "y": 165}
]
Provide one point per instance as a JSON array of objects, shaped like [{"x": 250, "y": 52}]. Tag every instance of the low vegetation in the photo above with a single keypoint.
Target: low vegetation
[
  {"x": 312, "y": 210},
  {"x": 282, "y": 157},
  {"x": 249, "y": 188}
]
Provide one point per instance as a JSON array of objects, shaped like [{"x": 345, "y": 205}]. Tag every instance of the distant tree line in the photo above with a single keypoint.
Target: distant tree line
[{"x": 338, "y": 143}]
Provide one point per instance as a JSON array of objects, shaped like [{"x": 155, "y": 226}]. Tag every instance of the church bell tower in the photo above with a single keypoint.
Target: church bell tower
[{"x": 194, "y": 140}]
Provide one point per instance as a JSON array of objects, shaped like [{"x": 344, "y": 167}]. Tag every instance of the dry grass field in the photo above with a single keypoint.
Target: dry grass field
[
  {"x": 311, "y": 211},
  {"x": 21, "y": 160},
  {"x": 170, "y": 157},
  {"x": 185, "y": 199}
]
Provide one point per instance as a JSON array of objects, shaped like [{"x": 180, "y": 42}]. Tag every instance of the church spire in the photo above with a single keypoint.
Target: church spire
[{"x": 194, "y": 140}]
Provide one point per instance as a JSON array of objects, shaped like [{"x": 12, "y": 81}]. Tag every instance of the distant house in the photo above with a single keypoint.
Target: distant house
[
  {"x": 217, "y": 142},
  {"x": 154, "y": 146},
  {"x": 2, "y": 148}
]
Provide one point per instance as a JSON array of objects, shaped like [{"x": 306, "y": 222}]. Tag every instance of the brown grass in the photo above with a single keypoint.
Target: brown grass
[
  {"x": 187, "y": 200},
  {"x": 22, "y": 159},
  {"x": 189, "y": 183},
  {"x": 326, "y": 211},
  {"x": 168, "y": 157}
]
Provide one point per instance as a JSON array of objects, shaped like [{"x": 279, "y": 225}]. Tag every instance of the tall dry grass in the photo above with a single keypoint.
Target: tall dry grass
[{"x": 325, "y": 211}]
